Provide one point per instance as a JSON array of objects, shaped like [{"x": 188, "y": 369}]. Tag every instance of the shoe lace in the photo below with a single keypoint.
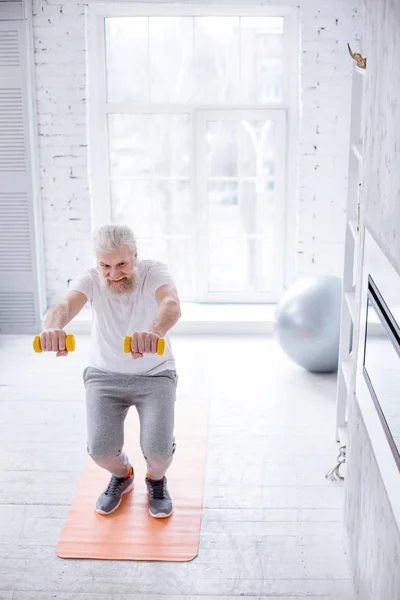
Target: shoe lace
[
  {"x": 113, "y": 486},
  {"x": 157, "y": 488}
]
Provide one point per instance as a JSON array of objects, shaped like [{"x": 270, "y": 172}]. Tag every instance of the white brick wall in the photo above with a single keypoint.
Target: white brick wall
[
  {"x": 382, "y": 127},
  {"x": 60, "y": 56}
]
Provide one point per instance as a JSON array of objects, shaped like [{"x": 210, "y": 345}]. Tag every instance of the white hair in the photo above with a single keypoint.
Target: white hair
[{"x": 109, "y": 238}]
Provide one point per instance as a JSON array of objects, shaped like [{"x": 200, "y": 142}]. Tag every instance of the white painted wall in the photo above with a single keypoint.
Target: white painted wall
[
  {"x": 382, "y": 133},
  {"x": 371, "y": 509},
  {"x": 59, "y": 29},
  {"x": 373, "y": 538}
]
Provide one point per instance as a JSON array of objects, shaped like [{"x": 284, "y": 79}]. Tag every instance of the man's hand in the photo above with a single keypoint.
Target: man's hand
[
  {"x": 143, "y": 342},
  {"x": 53, "y": 340}
]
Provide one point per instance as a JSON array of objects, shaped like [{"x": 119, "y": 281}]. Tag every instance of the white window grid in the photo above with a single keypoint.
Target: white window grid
[{"x": 99, "y": 109}]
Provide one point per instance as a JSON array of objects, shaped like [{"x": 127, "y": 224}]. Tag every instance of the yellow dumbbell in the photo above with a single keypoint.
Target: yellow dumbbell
[
  {"x": 69, "y": 343},
  {"x": 160, "y": 345}
]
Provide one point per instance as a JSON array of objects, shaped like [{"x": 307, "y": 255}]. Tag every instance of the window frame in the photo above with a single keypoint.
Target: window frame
[{"x": 98, "y": 108}]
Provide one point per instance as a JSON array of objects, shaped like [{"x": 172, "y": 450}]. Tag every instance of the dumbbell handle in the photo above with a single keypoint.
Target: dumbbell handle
[
  {"x": 69, "y": 343},
  {"x": 160, "y": 345}
]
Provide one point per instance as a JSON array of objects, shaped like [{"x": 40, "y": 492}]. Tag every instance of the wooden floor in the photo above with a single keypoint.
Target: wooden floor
[{"x": 271, "y": 524}]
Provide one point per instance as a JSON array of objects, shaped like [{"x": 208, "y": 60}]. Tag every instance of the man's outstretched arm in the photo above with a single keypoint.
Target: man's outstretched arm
[
  {"x": 52, "y": 338},
  {"x": 169, "y": 310},
  {"x": 168, "y": 313}
]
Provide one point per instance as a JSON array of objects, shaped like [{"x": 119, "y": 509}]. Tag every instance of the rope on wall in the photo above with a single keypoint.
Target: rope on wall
[{"x": 334, "y": 473}]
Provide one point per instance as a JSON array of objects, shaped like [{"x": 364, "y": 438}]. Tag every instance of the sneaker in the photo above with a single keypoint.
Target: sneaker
[
  {"x": 160, "y": 504},
  {"x": 111, "y": 498}
]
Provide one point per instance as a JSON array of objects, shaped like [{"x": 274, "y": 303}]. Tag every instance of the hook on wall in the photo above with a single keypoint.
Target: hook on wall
[{"x": 361, "y": 62}]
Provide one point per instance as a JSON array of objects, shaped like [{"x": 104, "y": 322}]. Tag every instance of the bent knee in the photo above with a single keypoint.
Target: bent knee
[
  {"x": 97, "y": 449},
  {"x": 159, "y": 454}
]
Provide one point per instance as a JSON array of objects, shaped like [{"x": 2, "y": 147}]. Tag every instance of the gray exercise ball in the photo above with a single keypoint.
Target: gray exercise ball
[{"x": 307, "y": 323}]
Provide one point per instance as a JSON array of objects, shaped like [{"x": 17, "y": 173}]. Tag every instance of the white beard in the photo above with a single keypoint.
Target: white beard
[{"x": 124, "y": 289}]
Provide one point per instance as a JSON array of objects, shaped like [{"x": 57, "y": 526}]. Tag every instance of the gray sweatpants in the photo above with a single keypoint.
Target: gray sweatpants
[{"x": 108, "y": 399}]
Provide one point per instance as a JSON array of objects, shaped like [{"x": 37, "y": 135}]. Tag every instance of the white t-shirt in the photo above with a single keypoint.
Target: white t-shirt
[{"x": 114, "y": 317}]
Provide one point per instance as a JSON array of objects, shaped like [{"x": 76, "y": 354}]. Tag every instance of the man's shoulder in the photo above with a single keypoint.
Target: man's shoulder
[
  {"x": 84, "y": 276},
  {"x": 91, "y": 273},
  {"x": 144, "y": 266},
  {"x": 147, "y": 262},
  {"x": 86, "y": 282},
  {"x": 152, "y": 274}
]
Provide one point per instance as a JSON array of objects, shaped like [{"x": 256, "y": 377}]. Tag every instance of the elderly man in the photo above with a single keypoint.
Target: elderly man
[{"x": 128, "y": 297}]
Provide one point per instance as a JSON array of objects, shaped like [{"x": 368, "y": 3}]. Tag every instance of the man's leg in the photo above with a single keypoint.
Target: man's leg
[
  {"x": 156, "y": 407},
  {"x": 106, "y": 409}
]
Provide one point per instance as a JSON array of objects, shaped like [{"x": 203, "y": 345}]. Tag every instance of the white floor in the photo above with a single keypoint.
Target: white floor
[{"x": 271, "y": 524}]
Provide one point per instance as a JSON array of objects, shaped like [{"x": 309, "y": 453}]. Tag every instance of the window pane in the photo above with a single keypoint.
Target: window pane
[
  {"x": 244, "y": 148},
  {"x": 131, "y": 203},
  {"x": 222, "y": 148},
  {"x": 240, "y": 265},
  {"x": 226, "y": 265},
  {"x": 129, "y": 145},
  {"x": 144, "y": 144},
  {"x": 154, "y": 56},
  {"x": 150, "y": 164},
  {"x": 152, "y": 249},
  {"x": 171, "y": 59},
  {"x": 240, "y": 218},
  {"x": 217, "y": 59},
  {"x": 256, "y": 148},
  {"x": 171, "y": 252},
  {"x": 261, "y": 59},
  {"x": 127, "y": 60},
  {"x": 172, "y": 207},
  {"x": 171, "y": 143},
  {"x": 244, "y": 187},
  {"x": 240, "y": 209},
  {"x": 256, "y": 207},
  {"x": 223, "y": 209},
  {"x": 241, "y": 156},
  {"x": 268, "y": 262},
  {"x": 153, "y": 207}
]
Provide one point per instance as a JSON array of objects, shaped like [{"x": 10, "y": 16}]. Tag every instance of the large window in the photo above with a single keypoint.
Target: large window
[{"x": 190, "y": 122}]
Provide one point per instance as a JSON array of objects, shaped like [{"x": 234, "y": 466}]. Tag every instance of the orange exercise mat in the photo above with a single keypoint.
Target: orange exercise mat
[{"x": 130, "y": 533}]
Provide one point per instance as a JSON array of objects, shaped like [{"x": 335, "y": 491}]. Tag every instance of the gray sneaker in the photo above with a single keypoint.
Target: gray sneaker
[
  {"x": 160, "y": 504},
  {"x": 111, "y": 498}
]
